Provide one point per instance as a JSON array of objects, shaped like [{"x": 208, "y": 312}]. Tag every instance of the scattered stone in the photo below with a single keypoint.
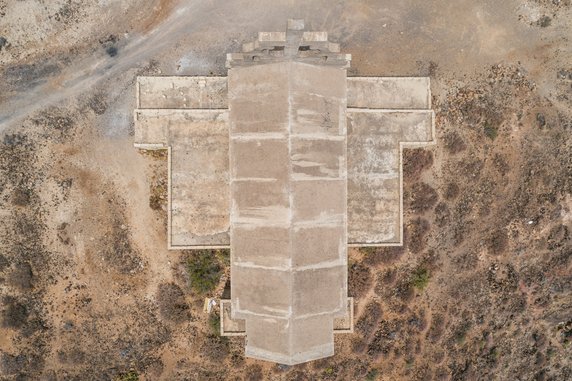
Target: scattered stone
[
  {"x": 541, "y": 120},
  {"x": 564, "y": 74},
  {"x": 544, "y": 22}
]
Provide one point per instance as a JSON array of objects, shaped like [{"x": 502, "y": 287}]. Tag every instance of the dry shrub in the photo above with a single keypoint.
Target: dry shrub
[
  {"x": 416, "y": 161},
  {"x": 451, "y": 191},
  {"x": 359, "y": 279},
  {"x": 172, "y": 304},
  {"x": 118, "y": 250},
  {"x": 374, "y": 256},
  {"x": 4, "y": 262},
  {"x": 497, "y": 242},
  {"x": 21, "y": 197},
  {"x": 386, "y": 278},
  {"x": 416, "y": 231},
  {"x": 403, "y": 292},
  {"x": 22, "y": 276},
  {"x": 383, "y": 340},
  {"x": 367, "y": 323},
  {"x": 15, "y": 314},
  {"x": 215, "y": 348},
  {"x": 422, "y": 197},
  {"x": 436, "y": 328},
  {"x": 454, "y": 143},
  {"x": 253, "y": 373}
]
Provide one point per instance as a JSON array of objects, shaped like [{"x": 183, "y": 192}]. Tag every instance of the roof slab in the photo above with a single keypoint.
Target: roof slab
[
  {"x": 169, "y": 92},
  {"x": 288, "y": 179},
  {"x": 375, "y": 137},
  {"x": 198, "y": 198}
]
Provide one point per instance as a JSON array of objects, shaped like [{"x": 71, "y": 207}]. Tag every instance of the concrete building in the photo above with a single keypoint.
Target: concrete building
[{"x": 287, "y": 162}]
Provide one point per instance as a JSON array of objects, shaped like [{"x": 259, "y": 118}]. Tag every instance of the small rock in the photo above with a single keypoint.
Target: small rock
[
  {"x": 562, "y": 74},
  {"x": 111, "y": 51},
  {"x": 3, "y": 43},
  {"x": 544, "y": 21},
  {"x": 541, "y": 120}
]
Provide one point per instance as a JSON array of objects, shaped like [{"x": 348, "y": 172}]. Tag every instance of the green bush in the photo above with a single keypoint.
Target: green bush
[
  {"x": 490, "y": 131},
  {"x": 368, "y": 251},
  {"x": 129, "y": 376},
  {"x": 204, "y": 269},
  {"x": 223, "y": 257},
  {"x": 372, "y": 375},
  {"x": 420, "y": 278},
  {"x": 214, "y": 323}
]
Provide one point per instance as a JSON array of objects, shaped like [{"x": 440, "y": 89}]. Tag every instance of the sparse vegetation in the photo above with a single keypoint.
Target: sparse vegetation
[
  {"x": 372, "y": 375},
  {"x": 204, "y": 270},
  {"x": 129, "y": 376},
  {"x": 158, "y": 195},
  {"x": 490, "y": 131},
  {"x": 223, "y": 257},
  {"x": 544, "y": 21},
  {"x": 422, "y": 197},
  {"x": 359, "y": 279},
  {"x": 214, "y": 323},
  {"x": 373, "y": 256},
  {"x": 154, "y": 153},
  {"x": 172, "y": 304},
  {"x": 420, "y": 278},
  {"x": 415, "y": 161}
]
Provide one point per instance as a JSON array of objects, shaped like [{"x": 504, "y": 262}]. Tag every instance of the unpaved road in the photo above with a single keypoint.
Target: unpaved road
[{"x": 415, "y": 31}]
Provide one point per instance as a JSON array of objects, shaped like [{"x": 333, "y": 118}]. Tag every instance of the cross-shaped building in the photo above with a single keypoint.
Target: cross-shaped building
[{"x": 287, "y": 162}]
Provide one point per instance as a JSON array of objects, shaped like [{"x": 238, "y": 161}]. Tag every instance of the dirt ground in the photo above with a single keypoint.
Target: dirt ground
[{"x": 482, "y": 289}]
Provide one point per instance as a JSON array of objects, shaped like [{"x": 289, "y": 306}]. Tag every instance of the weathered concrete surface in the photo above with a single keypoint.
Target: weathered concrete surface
[
  {"x": 237, "y": 327},
  {"x": 228, "y": 325},
  {"x": 288, "y": 207},
  {"x": 198, "y": 199},
  {"x": 374, "y": 191},
  {"x": 389, "y": 92},
  {"x": 376, "y": 139},
  {"x": 181, "y": 92},
  {"x": 173, "y": 92}
]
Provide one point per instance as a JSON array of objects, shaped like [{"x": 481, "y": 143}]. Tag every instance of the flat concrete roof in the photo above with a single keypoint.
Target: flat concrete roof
[
  {"x": 168, "y": 92},
  {"x": 374, "y": 194},
  {"x": 198, "y": 197},
  {"x": 288, "y": 225},
  {"x": 182, "y": 92},
  {"x": 376, "y": 139},
  {"x": 230, "y": 326}
]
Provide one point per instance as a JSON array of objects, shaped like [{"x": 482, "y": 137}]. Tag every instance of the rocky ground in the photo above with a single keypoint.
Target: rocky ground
[{"x": 482, "y": 289}]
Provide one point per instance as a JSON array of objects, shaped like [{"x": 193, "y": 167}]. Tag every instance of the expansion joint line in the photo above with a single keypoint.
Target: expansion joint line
[{"x": 290, "y": 198}]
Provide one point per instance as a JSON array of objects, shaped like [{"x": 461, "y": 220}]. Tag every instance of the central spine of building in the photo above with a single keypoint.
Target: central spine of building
[{"x": 288, "y": 182}]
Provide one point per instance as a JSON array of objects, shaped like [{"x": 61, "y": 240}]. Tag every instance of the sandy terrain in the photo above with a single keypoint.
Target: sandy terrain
[{"x": 482, "y": 288}]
